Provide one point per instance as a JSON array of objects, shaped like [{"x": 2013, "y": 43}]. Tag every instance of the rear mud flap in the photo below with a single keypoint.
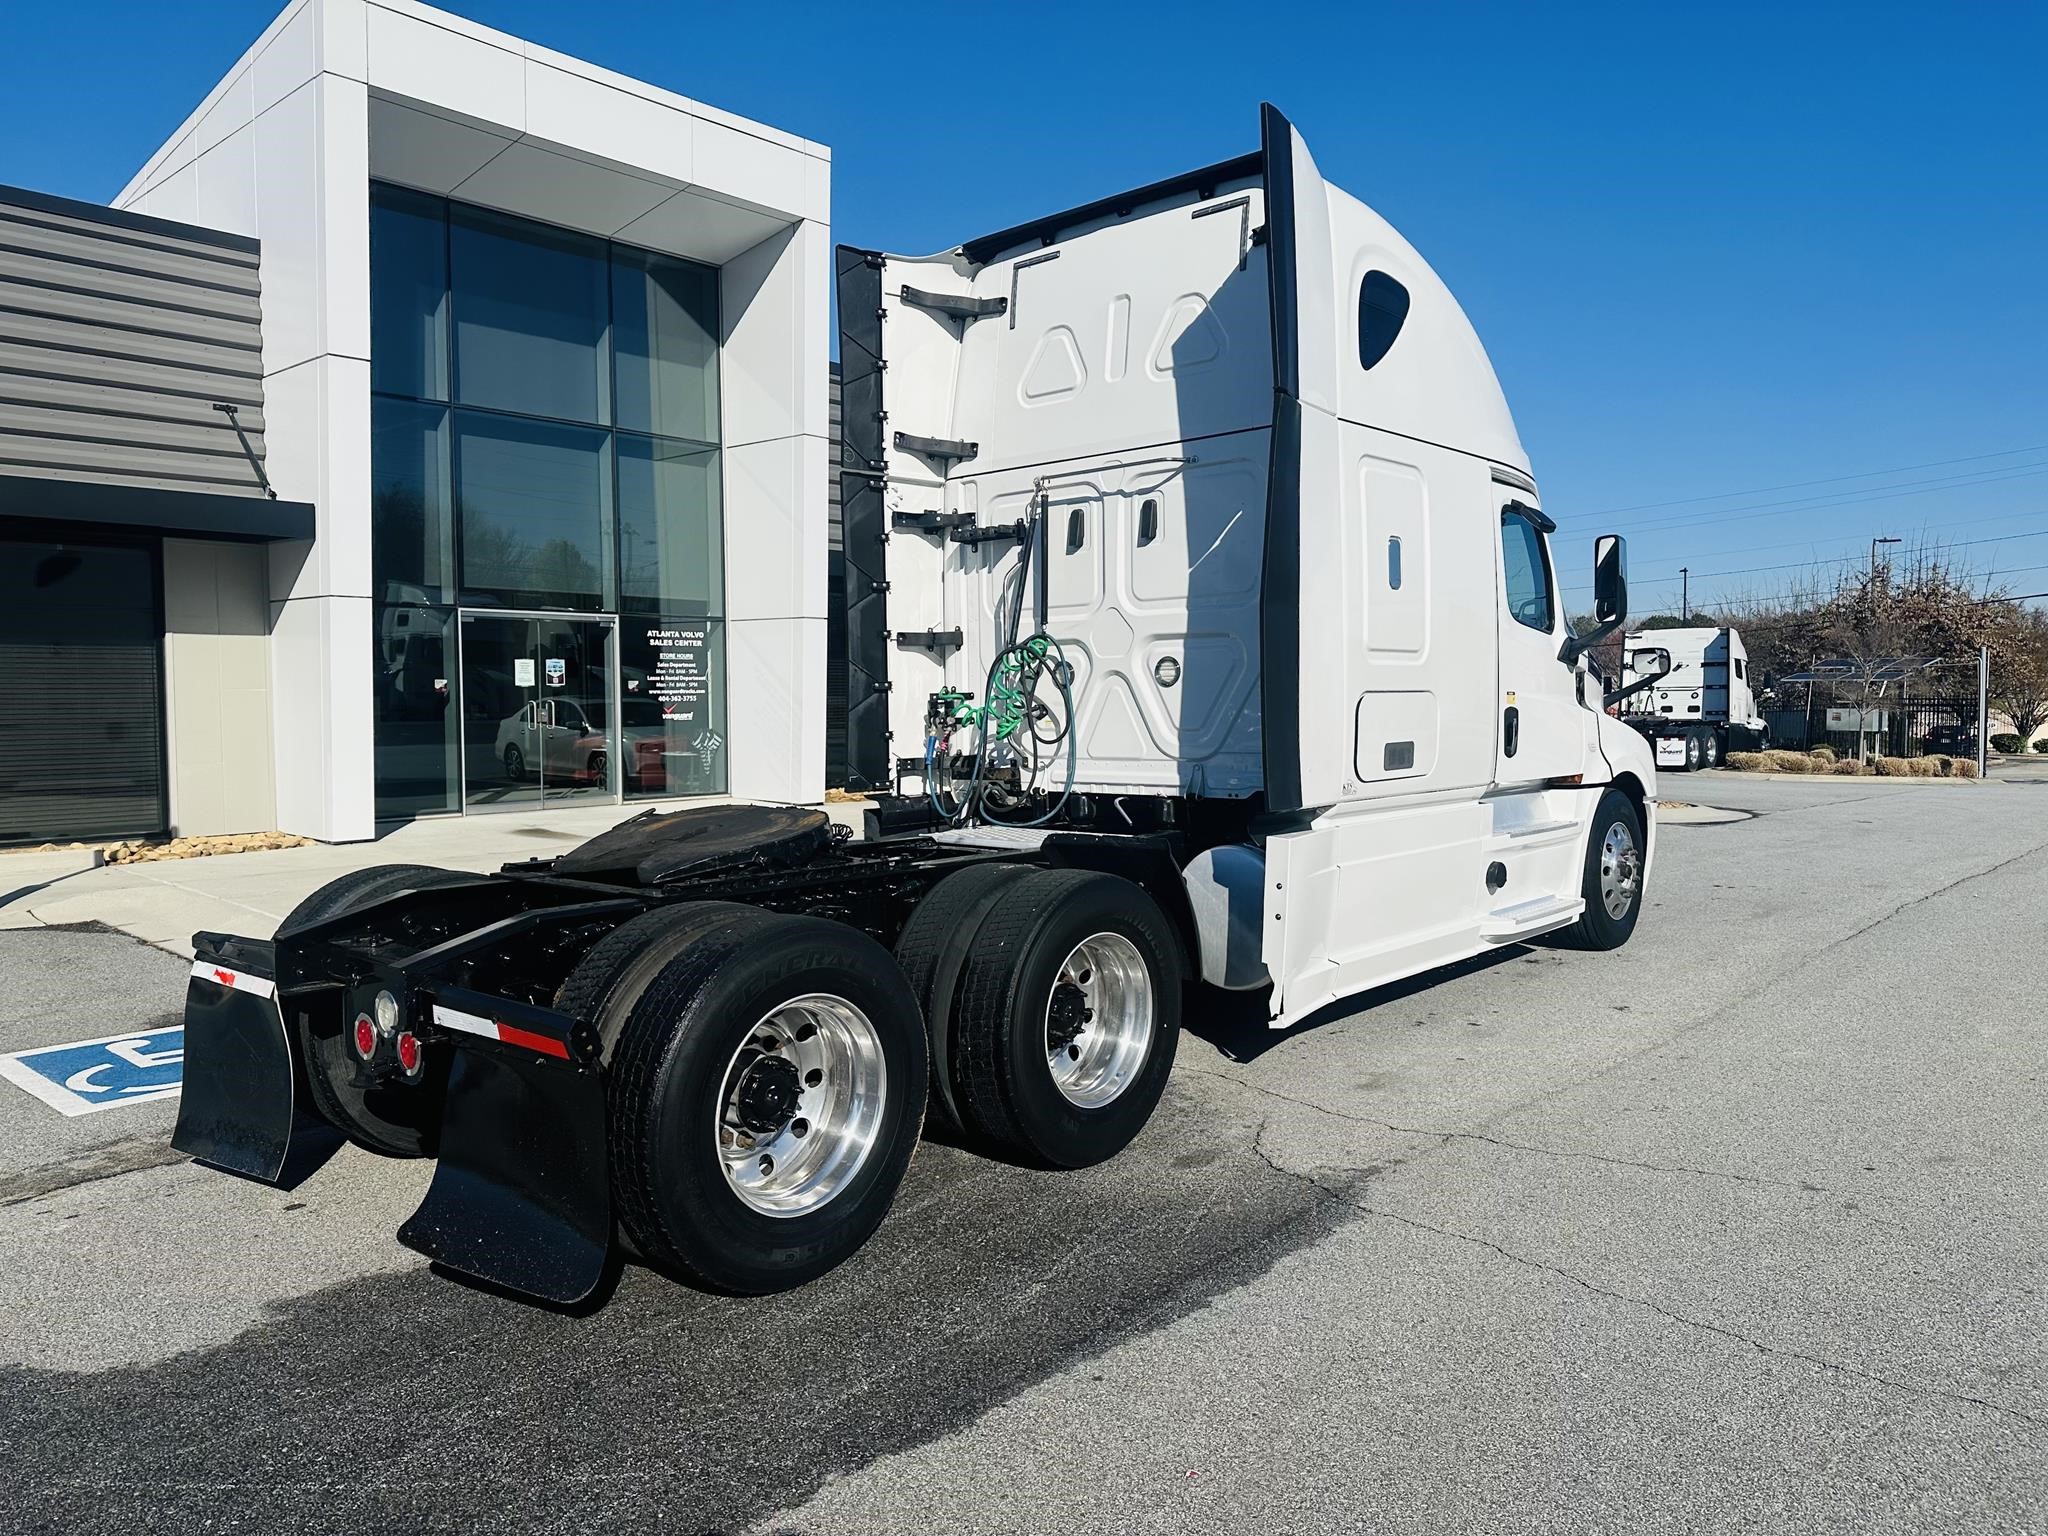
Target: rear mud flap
[
  {"x": 236, "y": 1110},
  {"x": 521, "y": 1198}
]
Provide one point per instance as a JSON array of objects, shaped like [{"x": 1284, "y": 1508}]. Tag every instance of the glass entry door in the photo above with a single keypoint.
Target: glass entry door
[{"x": 539, "y": 721}]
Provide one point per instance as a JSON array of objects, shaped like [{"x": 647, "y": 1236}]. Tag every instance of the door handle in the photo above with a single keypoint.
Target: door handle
[
  {"x": 1148, "y": 520},
  {"x": 1077, "y": 530},
  {"x": 1510, "y": 730}
]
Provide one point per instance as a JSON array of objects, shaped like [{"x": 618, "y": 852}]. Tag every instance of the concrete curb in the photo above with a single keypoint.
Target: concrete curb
[{"x": 1737, "y": 776}]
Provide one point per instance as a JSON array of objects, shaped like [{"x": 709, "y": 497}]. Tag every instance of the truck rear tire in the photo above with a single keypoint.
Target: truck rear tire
[
  {"x": 1692, "y": 751},
  {"x": 765, "y": 1090},
  {"x": 1613, "y": 881},
  {"x": 1066, "y": 1018},
  {"x": 933, "y": 949},
  {"x": 1710, "y": 748},
  {"x": 396, "y": 1119}
]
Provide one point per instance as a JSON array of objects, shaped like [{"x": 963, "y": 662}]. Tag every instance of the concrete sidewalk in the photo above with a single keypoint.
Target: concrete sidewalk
[{"x": 165, "y": 902}]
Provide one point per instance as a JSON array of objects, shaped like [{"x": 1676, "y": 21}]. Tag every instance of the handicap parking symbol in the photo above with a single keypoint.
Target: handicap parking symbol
[{"x": 90, "y": 1075}]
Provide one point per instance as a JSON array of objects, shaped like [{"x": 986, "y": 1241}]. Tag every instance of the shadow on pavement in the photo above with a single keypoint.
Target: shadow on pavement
[{"x": 1236, "y": 1023}]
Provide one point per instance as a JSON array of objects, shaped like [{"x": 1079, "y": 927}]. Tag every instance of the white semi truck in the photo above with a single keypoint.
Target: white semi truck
[
  {"x": 1203, "y": 628},
  {"x": 1688, "y": 692}
]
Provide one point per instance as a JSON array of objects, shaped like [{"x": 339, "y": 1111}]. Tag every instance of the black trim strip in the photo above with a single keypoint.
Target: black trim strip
[
  {"x": 1280, "y": 613},
  {"x": 1046, "y": 230},
  {"x": 864, "y": 521},
  {"x": 1276, "y": 134},
  {"x": 1280, "y": 583}
]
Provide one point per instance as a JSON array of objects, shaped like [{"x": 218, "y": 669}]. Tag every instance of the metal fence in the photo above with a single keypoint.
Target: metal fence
[{"x": 1907, "y": 729}]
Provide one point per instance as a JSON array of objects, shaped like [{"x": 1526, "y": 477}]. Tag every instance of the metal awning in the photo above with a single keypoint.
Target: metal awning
[{"x": 189, "y": 514}]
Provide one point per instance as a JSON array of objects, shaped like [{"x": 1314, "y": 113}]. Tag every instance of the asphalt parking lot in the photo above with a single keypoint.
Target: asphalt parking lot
[{"x": 1738, "y": 1227}]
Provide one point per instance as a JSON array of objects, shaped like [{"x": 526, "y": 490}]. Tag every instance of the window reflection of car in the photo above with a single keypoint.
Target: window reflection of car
[
  {"x": 646, "y": 734},
  {"x": 557, "y": 737}
]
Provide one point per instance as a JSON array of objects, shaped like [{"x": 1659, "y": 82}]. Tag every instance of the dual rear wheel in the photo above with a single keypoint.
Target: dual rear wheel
[
  {"x": 766, "y": 1075},
  {"x": 1052, "y": 999}
]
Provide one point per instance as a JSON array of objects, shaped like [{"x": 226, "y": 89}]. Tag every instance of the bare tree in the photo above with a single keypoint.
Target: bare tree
[
  {"x": 2019, "y": 672},
  {"x": 1863, "y": 630}
]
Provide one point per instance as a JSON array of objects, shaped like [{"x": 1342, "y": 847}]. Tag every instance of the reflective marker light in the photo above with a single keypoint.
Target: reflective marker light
[
  {"x": 365, "y": 1036},
  {"x": 387, "y": 1014},
  {"x": 409, "y": 1053}
]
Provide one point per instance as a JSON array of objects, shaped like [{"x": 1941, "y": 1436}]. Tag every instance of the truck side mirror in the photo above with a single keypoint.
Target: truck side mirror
[
  {"x": 1610, "y": 580},
  {"x": 1651, "y": 664},
  {"x": 1610, "y": 596}
]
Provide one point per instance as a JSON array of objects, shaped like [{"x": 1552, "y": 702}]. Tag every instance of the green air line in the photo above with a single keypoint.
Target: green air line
[{"x": 1008, "y": 698}]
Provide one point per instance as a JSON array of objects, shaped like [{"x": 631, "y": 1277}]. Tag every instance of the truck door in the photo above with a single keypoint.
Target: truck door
[{"x": 1541, "y": 733}]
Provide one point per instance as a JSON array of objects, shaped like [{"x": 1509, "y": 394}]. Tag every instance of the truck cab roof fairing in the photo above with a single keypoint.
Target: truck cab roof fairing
[{"x": 1435, "y": 383}]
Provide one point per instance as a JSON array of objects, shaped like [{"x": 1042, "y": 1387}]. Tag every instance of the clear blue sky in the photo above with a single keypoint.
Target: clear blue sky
[{"x": 1710, "y": 250}]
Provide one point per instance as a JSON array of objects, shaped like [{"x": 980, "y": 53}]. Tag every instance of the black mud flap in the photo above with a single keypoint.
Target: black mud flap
[
  {"x": 236, "y": 1108},
  {"x": 521, "y": 1198}
]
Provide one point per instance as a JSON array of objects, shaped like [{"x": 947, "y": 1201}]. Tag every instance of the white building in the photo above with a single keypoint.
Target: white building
[{"x": 545, "y": 350}]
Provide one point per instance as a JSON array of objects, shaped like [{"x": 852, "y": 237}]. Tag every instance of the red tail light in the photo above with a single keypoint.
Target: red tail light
[
  {"x": 409, "y": 1052},
  {"x": 365, "y": 1036}
]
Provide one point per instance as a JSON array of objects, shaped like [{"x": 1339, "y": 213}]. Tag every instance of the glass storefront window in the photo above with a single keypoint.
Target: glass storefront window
[
  {"x": 531, "y": 311},
  {"x": 412, "y": 551},
  {"x": 414, "y": 685},
  {"x": 535, "y": 500},
  {"x": 409, "y": 298},
  {"x": 665, "y": 335},
  {"x": 670, "y": 559},
  {"x": 671, "y": 705},
  {"x": 544, "y": 436}
]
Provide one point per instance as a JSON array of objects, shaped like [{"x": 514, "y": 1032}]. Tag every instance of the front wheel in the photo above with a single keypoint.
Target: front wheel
[{"x": 1613, "y": 880}]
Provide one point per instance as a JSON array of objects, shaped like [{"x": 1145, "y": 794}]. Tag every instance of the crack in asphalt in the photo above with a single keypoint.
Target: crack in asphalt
[
  {"x": 1779, "y": 1351},
  {"x": 1444, "y": 1136}
]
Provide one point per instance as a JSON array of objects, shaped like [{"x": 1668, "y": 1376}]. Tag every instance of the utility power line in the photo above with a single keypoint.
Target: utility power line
[
  {"x": 1819, "y": 561},
  {"x": 1829, "y": 501},
  {"x": 1793, "y": 485}
]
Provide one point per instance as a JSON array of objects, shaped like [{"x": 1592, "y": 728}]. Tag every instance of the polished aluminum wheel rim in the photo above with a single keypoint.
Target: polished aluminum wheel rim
[
  {"x": 804, "y": 1161},
  {"x": 1116, "y": 1004},
  {"x": 1621, "y": 870}
]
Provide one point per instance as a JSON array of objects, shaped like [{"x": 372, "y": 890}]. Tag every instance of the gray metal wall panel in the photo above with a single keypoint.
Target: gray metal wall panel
[{"x": 117, "y": 337}]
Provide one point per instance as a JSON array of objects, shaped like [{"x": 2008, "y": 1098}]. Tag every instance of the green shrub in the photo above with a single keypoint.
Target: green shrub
[
  {"x": 2005, "y": 741},
  {"x": 2041, "y": 745},
  {"x": 1748, "y": 762}
]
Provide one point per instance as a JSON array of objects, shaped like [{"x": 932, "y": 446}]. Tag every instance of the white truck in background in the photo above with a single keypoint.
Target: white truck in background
[{"x": 1700, "y": 706}]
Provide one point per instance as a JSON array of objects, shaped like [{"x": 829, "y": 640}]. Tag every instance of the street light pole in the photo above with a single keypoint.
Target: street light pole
[
  {"x": 1873, "y": 558},
  {"x": 1684, "y": 594}
]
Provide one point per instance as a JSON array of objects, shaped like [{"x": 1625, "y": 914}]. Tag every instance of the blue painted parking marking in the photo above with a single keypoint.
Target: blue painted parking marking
[{"x": 90, "y": 1075}]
